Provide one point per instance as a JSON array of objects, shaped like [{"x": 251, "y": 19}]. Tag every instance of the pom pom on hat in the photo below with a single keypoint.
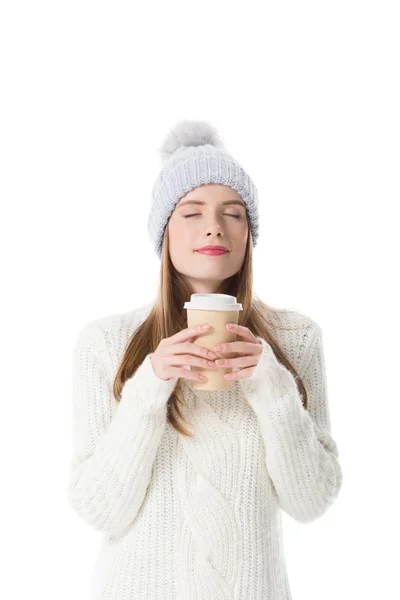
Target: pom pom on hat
[{"x": 189, "y": 133}]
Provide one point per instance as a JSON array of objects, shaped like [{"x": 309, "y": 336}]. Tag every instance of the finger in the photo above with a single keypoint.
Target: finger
[
  {"x": 242, "y": 374},
  {"x": 244, "y": 347},
  {"x": 241, "y": 330},
  {"x": 189, "y": 348},
  {"x": 187, "y": 359},
  {"x": 243, "y": 361},
  {"x": 187, "y": 334},
  {"x": 186, "y": 374}
]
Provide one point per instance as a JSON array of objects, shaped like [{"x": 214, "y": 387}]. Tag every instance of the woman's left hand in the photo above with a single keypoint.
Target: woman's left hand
[{"x": 249, "y": 353}]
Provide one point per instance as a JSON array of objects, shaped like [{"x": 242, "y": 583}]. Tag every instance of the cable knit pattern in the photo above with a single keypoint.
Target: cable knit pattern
[
  {"x": 207, "y": 487},
  {"x": 198, "y": 517}
]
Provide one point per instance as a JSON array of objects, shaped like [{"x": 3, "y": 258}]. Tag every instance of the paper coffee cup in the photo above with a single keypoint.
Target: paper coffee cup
[{"x": 217, "y": 310}]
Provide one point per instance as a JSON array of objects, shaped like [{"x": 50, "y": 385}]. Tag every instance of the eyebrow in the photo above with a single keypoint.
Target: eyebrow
[{"x": 201, "y": 202}]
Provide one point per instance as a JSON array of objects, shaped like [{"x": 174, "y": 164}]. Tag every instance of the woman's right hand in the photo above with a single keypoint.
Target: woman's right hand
[{"x": 174, "y": 352}]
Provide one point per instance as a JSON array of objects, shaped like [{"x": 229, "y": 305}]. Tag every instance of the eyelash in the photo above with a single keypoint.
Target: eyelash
[{"x": 196, "y": 215}]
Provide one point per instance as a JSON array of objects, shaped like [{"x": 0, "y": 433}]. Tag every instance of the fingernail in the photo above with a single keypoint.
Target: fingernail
[
  {"x": 217, "y": 348},
  {"x": 205, "y": 326},
  {"x": 212, "y": 355},
  {"x": 230, "y": 326}
]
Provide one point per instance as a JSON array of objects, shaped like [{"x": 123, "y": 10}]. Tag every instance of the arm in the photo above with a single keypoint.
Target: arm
[
  {"x": 301, "y": 455},
  {"x": 114, "y": 444}
]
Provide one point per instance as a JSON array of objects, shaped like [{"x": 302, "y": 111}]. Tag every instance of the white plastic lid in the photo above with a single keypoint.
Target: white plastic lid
[{"x": 213, "y": 302}]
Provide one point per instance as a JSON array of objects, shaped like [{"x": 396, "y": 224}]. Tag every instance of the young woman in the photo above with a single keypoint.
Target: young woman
[{"x": 187, "y": 485}]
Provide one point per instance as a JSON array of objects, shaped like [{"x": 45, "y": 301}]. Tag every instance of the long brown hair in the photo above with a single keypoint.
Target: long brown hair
[{"x": 167, "y": 318}]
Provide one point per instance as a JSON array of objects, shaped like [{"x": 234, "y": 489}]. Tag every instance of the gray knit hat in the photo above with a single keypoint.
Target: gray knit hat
[{"x": 192, "y": 155}]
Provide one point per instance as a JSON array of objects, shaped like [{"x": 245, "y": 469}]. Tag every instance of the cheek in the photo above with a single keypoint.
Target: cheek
[
  {"x": 179, "y": 234},
  {"x": 240, "y": 233}
]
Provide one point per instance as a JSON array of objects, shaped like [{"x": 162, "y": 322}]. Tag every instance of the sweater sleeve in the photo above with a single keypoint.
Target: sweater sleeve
[
  {"x": 114, "y": 443},
  {"x": 301, "y": 455}
]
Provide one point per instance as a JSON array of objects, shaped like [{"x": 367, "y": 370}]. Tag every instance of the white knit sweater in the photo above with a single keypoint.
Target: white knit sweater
[{"x": 198, "y": 518}]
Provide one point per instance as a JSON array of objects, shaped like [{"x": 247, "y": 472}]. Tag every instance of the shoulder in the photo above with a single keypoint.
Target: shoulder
[
  {"x": 289, "y": 319},
  {"x": 296, "y": 332},
  {"x": 110, "y": 333}
]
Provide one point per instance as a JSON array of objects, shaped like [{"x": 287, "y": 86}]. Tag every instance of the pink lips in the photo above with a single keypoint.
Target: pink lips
[{"x": 211, "y": 252}]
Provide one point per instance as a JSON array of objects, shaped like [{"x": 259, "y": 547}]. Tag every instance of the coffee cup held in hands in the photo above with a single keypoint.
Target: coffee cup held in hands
[{"x": 217, "y": 310}]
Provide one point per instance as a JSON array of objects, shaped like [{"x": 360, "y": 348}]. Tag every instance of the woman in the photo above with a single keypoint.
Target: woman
[{"x": 196, "y": 514}]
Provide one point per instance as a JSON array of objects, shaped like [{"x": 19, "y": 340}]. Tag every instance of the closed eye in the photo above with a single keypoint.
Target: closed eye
[{"x": 197, "y": 215}]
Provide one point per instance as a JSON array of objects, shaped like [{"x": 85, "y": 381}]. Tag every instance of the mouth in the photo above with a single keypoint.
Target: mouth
[
  {"x": 212, "y": 251},
  {"x": 212, "y": 247}
]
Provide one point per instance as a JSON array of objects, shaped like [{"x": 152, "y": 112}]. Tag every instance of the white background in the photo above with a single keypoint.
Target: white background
[{"x": 306, "y": 96}]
